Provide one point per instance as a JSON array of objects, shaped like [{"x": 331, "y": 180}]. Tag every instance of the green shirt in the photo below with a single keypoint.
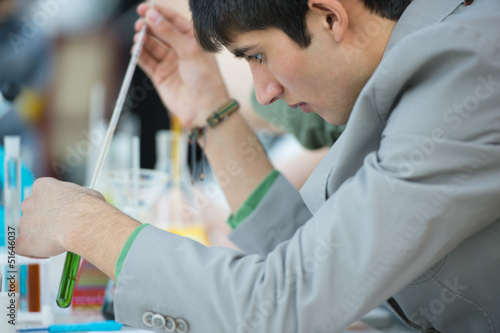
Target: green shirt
[{"x": 310, "y": 129}]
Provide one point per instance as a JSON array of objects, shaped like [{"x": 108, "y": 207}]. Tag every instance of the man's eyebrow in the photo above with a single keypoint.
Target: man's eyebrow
[{"x": 242, "y": 51}]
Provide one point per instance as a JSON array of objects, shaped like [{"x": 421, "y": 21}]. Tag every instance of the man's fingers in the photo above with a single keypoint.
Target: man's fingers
[
  {"x": 178, "y": 21},
  {"x": 156, "y": 48},
  {"x": 148, "y": 63},
  {"x": 142, "y": 9},
  {"x": 168, "y": 27},
  {"x": 163, "y": 29},
  {"x": 155, "y": 69},
  {"x": 27, "y": 204},
  {"x": 138, "y": 24}
]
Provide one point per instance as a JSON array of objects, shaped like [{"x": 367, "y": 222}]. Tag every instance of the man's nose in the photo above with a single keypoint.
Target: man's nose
[{"x": 267, "y": 88}]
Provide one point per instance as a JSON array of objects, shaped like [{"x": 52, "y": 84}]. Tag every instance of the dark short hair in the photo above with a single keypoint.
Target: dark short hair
[{"x": 217, "y": 21}]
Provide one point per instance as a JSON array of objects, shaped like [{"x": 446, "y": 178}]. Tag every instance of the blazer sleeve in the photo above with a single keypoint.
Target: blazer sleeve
[
  {"x": 276, "y": 219},
  {"x": 433, "y": 182}
]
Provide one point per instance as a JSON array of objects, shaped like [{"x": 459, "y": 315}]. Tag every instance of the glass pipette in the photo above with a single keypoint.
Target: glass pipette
[{"x": 72, "y": 262}]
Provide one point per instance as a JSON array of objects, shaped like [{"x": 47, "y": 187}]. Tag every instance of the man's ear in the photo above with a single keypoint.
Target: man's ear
[{"x": 334, "y": 17}]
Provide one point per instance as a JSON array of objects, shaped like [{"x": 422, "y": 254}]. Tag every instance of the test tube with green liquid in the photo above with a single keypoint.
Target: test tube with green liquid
[
  {"x": 72, "y": 261},
  {"x": 68, "y": 280}
]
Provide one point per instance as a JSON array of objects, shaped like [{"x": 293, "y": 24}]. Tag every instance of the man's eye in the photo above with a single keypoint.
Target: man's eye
[{"x": 257, "y": 57}]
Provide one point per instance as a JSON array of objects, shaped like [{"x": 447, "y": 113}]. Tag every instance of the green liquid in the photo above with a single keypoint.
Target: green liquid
[{"x": 68, "y": 280}]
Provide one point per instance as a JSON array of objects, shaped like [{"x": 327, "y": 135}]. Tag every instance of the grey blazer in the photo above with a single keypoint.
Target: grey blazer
[{"x": 405, "y": 207}]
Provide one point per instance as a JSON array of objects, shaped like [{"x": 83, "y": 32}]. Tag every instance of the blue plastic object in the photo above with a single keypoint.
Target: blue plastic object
[
  {"x": 93, "y": 326},
  {"x": 27, "y": 180},
  {"x": 108, "y": 325}
]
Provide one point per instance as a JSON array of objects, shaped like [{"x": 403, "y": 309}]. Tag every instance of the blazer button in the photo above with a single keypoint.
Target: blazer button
[
  {"x": 170, "y": 324},
  {"x": 147, "y": 319},
  {"x": 182, "y": 325},
  {"x": 158, "y": 321}
]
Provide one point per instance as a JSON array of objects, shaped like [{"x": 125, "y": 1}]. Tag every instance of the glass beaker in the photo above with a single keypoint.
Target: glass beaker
[
  {"x": 136, "y": 192},
  {"x": 179, "y": 214}
]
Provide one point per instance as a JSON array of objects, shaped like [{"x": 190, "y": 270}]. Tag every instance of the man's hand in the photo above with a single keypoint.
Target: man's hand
[
  {"x": 51, "y": 214},
  {"x": 187, "y": 78},
  {"x": 60, "y": 216}
]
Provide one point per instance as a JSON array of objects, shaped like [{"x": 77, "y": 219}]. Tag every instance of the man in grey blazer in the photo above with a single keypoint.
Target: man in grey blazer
[{"x": 404, "y": 208}]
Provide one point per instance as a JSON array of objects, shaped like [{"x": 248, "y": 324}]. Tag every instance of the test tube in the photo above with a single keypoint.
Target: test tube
[
  {"x": 34, "y": 288},
  {"x": 12, "y": 186},
  {"x": 23, "y": 288},
  {"x": 12, "y": 199},
  {"x": 72, "y": 262}
]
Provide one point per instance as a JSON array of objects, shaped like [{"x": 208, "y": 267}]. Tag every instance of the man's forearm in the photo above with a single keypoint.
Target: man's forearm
[
  {"x": 100, "y": 237},
  {"x": 237, "y": 158}
]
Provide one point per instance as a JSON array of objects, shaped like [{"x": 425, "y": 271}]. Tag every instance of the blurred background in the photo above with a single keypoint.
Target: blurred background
[{"x": 59, "y": 51}]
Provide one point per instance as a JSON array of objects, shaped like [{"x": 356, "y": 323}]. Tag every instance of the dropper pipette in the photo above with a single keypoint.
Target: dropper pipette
[{"x": 72, "y": 262}]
